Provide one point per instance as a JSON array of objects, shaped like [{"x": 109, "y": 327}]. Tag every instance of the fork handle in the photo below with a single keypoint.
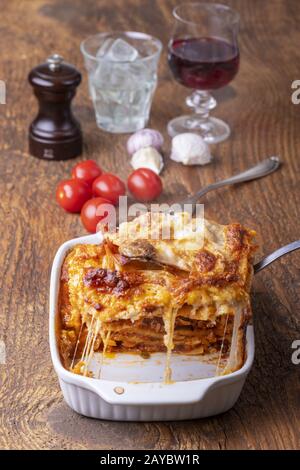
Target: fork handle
[
  {"x": 263, "y": 168},
  {"x": 275, "y": 255}
]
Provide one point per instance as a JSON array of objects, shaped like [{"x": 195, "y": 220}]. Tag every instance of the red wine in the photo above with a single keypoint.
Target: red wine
[{"x": 203, "y": 63}]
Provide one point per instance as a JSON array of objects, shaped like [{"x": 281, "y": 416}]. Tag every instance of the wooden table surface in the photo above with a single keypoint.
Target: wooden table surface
[{"x": 264, "y": 121}]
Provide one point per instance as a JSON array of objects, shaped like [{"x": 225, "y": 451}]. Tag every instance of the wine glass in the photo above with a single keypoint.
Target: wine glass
[{"x": 203, "y": 55}]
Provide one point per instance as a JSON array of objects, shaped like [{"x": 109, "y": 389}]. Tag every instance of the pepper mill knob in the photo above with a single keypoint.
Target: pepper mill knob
[
  {"x": 55, "y": 134},
  {"x": 54, "y": 62}
]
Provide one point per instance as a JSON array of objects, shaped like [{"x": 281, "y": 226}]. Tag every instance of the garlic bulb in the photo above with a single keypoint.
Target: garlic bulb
[
  {"x": 190, "y": 149},
  {"x": 147, "y": 157},
  {"x": 144, "y": 138}
]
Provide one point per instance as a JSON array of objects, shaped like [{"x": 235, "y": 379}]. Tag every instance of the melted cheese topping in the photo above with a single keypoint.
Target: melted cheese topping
[{"x": 202, "y": 271}]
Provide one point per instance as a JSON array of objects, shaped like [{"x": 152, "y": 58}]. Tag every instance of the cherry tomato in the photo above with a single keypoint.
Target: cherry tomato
[
  {"x": 144, "y": 184},
  {"x": 72, "y": 194},
  {"x": 86, "y": 171},
  {"x": 109, "y": 186},
  {"x": 92, "y": 214}
]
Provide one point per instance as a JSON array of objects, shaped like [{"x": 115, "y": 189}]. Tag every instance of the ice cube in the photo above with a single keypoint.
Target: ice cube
[
  {"x": 105, "y": 47},
  {"x": 113, "y": 69},
  {"x": 109, "y": 74},
  {"x": 121, "y": 51},
  {"x": 139, "y": 71}
]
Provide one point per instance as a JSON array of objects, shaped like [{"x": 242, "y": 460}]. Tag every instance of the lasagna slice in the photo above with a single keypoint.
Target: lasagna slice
[{"x": 162, "y": 283}]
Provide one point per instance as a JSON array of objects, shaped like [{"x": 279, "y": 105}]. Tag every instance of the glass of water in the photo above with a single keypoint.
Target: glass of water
[{"x": 122, "y": 76}]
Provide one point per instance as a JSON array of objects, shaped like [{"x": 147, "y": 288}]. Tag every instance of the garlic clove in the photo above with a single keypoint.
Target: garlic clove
[
  {"x": 190, "y": 149},
  {"x": 144, "y": 138},
  {"x": 147, "y": 157}
]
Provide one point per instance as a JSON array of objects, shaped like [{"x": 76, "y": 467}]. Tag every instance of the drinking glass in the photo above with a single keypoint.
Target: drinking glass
[
  {"x": 122, "y": 77},
  {"x": 203, "y": 55}
]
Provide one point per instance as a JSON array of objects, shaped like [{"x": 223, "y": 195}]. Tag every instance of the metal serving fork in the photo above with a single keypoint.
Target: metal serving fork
[
  {"x": 275, "y": 255},
  {"x": 264, "y": 168}
]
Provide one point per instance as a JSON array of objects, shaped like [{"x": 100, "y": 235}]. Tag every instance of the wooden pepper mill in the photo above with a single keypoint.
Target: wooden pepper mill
[{"x": 55, "y": 134}]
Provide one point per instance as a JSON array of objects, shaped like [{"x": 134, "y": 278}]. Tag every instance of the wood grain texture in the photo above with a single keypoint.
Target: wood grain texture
[{"x": 258, "y": 108}]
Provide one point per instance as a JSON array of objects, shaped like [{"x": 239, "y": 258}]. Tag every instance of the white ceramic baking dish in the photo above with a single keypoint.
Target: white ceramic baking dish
[{"x": 114, "y": 398}]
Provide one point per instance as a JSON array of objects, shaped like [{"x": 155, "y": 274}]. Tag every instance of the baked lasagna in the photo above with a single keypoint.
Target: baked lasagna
[{"x": 161, "y": 283}]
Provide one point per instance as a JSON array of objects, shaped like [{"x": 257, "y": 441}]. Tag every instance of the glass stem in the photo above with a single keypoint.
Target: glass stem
[{"x": 202, "y": 102}]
